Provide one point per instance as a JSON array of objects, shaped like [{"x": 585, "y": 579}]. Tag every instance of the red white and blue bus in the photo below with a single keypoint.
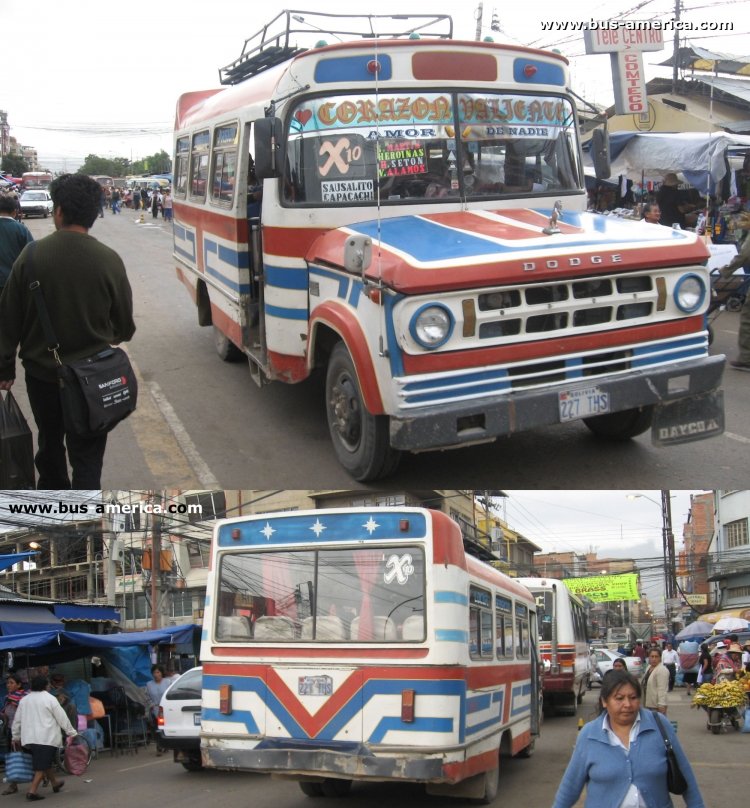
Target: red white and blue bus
[
  {"x": 563, "y": 644},
  {"x": 406, "y": 244},
  {"x": 365, "y": 645}
]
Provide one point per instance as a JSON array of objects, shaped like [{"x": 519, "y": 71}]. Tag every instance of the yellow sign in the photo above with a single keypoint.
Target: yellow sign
[
  {"x": 697, "y": 600},
  {"x": 601, "y": 588}
]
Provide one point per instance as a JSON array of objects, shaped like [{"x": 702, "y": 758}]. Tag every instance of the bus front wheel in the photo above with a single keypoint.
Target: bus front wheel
[
  {"x": 360, "y": 439},
  {"x": 225, "y": 348},
  {"x": 621, "y": 425},
  {"x": 333, "y": 787}
]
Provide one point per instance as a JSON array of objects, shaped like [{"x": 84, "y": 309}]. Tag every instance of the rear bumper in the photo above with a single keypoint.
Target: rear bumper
[
  {"x": 463, "y": 423},
  {"x": 357, "y": 764},
  {"x": 180, "y": 744}
]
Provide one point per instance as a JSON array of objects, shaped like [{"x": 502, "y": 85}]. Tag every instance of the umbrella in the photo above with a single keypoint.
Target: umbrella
[
  {"x": 731, "y": 624},
  {"x": 698, "y": 629}
]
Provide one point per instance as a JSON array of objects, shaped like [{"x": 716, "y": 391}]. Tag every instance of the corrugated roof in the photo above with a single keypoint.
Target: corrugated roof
[{"x": 694, "y": 58}]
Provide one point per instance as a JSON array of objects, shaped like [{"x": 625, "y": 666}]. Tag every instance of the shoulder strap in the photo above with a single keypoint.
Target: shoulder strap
[
  {"x": 657, "y": 718},
  {"x": 41, "y": 306}
]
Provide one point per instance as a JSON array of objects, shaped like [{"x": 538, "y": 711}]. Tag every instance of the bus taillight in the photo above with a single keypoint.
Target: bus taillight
[
  {"x": 225, "y": 699},
  {"x": 407, "y": 706}
]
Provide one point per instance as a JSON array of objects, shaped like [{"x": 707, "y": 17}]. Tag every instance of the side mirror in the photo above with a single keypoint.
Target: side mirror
[
  {"x": 600, "y": 153},
  {"x": 268, "y": 136},
  {"x": 358, "y": 254}
]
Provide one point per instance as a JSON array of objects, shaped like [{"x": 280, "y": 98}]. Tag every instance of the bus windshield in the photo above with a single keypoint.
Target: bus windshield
[
  {"x": 352, "y": 149},
  {"x": 322, "y": 595}
]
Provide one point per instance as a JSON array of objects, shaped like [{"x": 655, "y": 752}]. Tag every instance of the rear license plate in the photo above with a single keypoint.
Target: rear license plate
[
  {"x": 197, "y": 719},
  {"x": 315, "y": 686},
  {"x": 582, "y": 403}
]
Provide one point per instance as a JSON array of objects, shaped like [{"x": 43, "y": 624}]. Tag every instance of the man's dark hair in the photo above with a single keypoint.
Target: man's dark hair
[
  {"x": 649, "y": 206},
  {"x": 159, "y": 668},
  {"x": 39, "y": 683},
  {"x": 7, "y": 203},
  {"x": 77, "y": 196}
]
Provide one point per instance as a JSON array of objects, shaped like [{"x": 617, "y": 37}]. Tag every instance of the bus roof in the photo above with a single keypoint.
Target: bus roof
[{"x": 194, "y": 108}]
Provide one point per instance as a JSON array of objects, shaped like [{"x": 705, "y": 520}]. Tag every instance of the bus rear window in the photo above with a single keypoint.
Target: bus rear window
[{"x": 324, "y": 596}]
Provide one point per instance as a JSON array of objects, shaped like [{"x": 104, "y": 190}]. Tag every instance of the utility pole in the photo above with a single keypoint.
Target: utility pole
[
  {"x": 675, "y": 56},
  {"x": 155, "y": 564},
  {"x": 478, "y": 15}
]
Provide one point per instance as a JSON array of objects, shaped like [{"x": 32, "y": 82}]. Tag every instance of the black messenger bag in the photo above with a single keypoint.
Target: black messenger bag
[{"x": 97, "y": 392}]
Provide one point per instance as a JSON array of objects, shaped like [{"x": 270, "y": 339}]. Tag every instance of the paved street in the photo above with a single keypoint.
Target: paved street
[
  {"x": 721, "y": 764},
  {"x": 203, "y": 423}
]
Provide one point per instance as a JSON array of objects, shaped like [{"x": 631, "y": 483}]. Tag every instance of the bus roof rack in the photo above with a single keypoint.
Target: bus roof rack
[{"x": 272, "y": 45}]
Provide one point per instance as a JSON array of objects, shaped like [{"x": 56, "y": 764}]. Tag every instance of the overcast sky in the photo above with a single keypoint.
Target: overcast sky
[{"x": 93, "y": 77}]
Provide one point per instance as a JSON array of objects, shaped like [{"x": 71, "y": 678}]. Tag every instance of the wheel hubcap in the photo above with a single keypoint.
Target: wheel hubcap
[{"x": 347, "y": 412}]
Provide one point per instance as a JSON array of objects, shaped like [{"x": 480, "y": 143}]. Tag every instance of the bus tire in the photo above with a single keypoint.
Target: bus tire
[
  {"x": 311, "y": 788},
  {"x": 333, "y": 787},
  {"x": 192, "y": 764},
  {"x": 227, "y": 350},
  {"x": 621, "y": 425},
  {"x": 361, "y": 440},
  {"x": 491, "y": 786}
]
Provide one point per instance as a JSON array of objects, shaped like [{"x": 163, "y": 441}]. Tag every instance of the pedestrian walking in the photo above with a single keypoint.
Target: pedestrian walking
[
  {"x": 116, "y": 200},
  {"x": 155, "y": 203},
  {"x": 14, "y": 236},
  {"x": 655, "y": 683},
  {"x": 136, "y": 199},
  {"x": 166, "y": 206},
  {"x": 91, "y": 307},
  {"x": 671, "y": 660},
  {"x": 155, "y": 689},
  {"x": 742, "y": 222},
  {"x": 15, "y": 692},
  {"x": 619, "y": 757},
  {"x": 37, "y": 728}
]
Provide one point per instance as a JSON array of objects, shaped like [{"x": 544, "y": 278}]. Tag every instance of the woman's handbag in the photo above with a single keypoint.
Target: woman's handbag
[
  {"x": 76, "y": 755},
  {"x": 19, "y": 767},
  {"x": 676, "y": 782},
  {"x": 96, "y": 392}
]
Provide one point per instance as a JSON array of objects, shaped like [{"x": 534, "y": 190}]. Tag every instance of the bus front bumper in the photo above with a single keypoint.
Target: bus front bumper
[
  {"x": 687, "y": 401},
  {"x": 356, "y": 762}
]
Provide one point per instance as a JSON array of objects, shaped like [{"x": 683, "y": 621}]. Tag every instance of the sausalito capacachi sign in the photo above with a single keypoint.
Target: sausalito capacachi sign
[{"x": 601, "y": 588}]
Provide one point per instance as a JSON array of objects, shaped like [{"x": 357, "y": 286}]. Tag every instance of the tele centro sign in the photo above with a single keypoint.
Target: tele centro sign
[{"x": 625, "y": 43}]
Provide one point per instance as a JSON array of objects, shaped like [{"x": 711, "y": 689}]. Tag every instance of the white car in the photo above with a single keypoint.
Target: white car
[
  {"x": 605, "y": 658},
  {"x": 179, "y": 720},
  {"x": 36, "y": 203}
]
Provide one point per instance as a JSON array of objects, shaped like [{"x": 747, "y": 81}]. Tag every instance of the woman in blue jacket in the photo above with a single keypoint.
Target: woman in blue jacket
[{"x": 620, "y": 756}]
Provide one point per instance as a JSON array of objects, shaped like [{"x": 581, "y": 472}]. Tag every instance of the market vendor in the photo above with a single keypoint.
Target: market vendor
[
  {"x": 728, "y": 663},
  {"x": 675, "y": 209}
]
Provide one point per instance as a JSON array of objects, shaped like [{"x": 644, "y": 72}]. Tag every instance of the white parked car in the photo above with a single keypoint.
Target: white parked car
[
  {"x": 179, "y": 720},
  {"x": 36, "y": 203},
  {"x": 605, "y": 658}
]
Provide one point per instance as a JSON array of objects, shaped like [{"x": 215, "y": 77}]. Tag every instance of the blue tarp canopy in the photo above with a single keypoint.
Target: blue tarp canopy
[
  {"x": 24, "y": 618},
  {"x": 9, "y": 559},
  {"x": 54, "y": 640},
  {"x": 128, "y": 651},
  {"x": 78, "y": 611}
]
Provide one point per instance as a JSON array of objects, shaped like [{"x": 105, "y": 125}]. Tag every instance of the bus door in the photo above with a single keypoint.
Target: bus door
[
  {"x": 536, "y": 676},
  {"x": 255, "y": 300}
]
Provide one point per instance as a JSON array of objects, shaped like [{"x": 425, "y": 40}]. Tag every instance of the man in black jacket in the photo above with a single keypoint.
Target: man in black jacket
[{"x": 91, "y": 307}]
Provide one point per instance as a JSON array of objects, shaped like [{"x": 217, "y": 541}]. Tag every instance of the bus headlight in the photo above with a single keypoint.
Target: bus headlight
[
  {"x": 431, "y": 325},
  {"x": 689, "y": 293}
]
